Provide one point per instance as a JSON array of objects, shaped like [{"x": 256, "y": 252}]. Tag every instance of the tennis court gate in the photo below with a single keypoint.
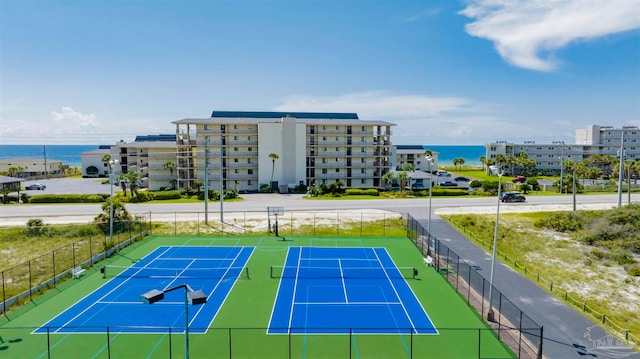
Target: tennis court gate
[{"x": 526, "y": 339}]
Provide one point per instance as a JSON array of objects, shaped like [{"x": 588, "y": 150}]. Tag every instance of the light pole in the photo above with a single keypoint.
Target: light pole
[
  {"x": 561, "y": 162},
  {"x": 490, "y": 314},
  {"x": 195, "y": 297},
  {"x": 621, "y": 171},
  {"x": 429, "y": 160},
  {"x": 112, "y": 164}
]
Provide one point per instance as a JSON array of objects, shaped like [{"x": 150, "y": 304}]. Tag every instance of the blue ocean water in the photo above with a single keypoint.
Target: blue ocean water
[
  {"x": 68, "y": 154},
  {"x": 446, "y": 154}
]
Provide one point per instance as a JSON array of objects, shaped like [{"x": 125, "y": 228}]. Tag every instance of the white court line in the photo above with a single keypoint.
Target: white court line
[
  {"x": 413, "y": 327},
  {"x": 352, "y": 303},
  {"x": 344, "y": 285},
  {"x": 278, "y": 293},
  {"x": 101, "y": 298},
  {"x": 295, "y": 288}
]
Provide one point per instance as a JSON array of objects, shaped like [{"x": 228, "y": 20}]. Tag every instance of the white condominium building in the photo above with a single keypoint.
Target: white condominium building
[
  {"x": 244, "y": 150},
  {"x": 594, "y": 140}
]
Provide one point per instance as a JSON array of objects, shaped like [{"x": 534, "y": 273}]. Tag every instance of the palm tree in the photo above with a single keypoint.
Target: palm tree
[
  {"x": 402, "y": 178},
  {"x": 106, "y": 159},
  {"x": 388, "y": 178},
  {"x": 483, "y": 160},
  {"x": 274, "y": 157},
  {"x": 170, "y": 165},
  {"x": 133, "y": 177},
  {"x": 458, "y": 162}
]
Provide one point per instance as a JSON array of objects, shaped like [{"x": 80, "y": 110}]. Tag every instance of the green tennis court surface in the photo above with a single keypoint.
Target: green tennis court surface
[{"x": 239, "y": 329}]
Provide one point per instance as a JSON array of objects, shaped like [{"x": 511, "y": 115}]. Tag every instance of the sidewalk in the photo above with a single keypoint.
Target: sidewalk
[{"x": 567, "y": 333}]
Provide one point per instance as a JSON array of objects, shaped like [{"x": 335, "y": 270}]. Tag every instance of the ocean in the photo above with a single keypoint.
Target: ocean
[
  {"x": 446, "y": 154},
  {"x": 70, "y": 154}
]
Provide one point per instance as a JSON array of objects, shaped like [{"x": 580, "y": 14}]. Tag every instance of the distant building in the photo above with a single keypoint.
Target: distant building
[
  {"x": 594, "y": 140},
  {"x": 29, "y": 167},
  {"x": 413, "y": 155},
  {"x": 152, "y": 156},
  {"x": 91, "y": 162},
  {"x": 312, "y": 149}
]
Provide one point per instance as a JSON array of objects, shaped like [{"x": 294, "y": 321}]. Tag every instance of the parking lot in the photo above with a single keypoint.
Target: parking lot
[{"x": 70, "y": 186}]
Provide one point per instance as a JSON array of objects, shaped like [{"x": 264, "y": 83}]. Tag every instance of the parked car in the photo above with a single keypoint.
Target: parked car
[
  {"x": 448, "y": 184},
  {"x": 443, "y": 174},
  {"x": 461, "y": 179},
  {"x": 519, "y": 179},
  {"x": 513, "y": 197},
  {"x": 36, "y": 186}
]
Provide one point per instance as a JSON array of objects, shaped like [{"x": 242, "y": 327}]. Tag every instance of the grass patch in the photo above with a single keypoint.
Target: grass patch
[{"x": 600, "y": 279}]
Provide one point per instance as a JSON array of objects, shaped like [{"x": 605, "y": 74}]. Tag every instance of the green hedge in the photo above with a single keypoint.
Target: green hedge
[
  {"x": 165, "y": 195},
  {"x": 362, "y": 192},
  {"x": 67, "y": 198},
  {"x": 442, "y": 192}
]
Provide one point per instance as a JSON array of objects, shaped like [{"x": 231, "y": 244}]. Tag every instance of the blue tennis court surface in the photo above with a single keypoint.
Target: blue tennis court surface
[
  {"x": 345, "y": 290},
  {"x": 117, "y": 304}
]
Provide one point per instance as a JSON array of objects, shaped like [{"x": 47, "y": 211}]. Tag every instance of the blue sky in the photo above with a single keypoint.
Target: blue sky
[{"x": 446, "y": 72}]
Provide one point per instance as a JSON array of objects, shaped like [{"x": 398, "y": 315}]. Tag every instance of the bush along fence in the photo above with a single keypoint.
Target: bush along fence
[
  {"x": 289, "y": 223},
  {"x": 632, "y": 339},
  {"x": 23, "y": 282},
  {"x": 512, "y": 326}
]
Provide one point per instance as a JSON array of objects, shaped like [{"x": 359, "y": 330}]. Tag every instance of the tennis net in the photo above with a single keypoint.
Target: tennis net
[
  {"x": 343, "y": 272},
  {"x": 110, "y": 271}
]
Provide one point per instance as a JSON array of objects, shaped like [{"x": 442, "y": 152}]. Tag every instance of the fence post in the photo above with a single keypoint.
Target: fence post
[
  {"x": 108, "y": 344},
  {"x": 53, "y": 259},
  {"x": 540, "y": 342},
  {"x": 479, "y": 342},
  {"x": 31, "y": 282},
  {"x": 4, "y": 298},
  {"x": 230, "y": 344}
]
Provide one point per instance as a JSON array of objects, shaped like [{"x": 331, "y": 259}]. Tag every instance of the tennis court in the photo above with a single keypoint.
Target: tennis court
[
  {"x": 117, "y": 303},
  {"x": 345, "y": 291},
  {"x": 349, "y": 296}
]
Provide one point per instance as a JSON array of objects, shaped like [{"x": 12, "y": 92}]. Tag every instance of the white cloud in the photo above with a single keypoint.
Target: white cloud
[
  {"x": 71, "y": 119},
  {"x": 421, "y": 119},
  {"x": 523, "y": 29}
]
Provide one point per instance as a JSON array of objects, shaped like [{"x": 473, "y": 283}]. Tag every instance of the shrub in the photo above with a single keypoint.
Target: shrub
[
  {"x": 166, "y": 195},
  {"x": 142, "y": 196},
  {"x": 35, "y": 227},
  {"x": 490, "y": 186},
  {"x": 533, "y": 183},
  {"x": 67, "y": 198},
  {"x": 561, "y": 222},
  {"x": 362, "y": 192},
  {"x": 634, "y": 271},
  {"x": 475, "y": 184},
  {"x": 265, "y": 188}
]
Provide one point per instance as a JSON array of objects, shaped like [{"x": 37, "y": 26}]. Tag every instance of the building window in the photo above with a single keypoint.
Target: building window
[
  {"x": 363, "y": 181},
  {"x": 324, "y": 127},
  {"x": 337, "y": 128},
  {"x": 363, "y": 149},
  {"x": 337, "y": 149},
  {"x": 235, "y": 160},
  {"x": 325, "y": 149},
  {"x": 250, "y": 127},
  {"x": 249, "y": 171},
  {"x": 249, "y": 138},
  {"x": 235, "y": 127},
  {"x": 235, "y": 138},
  {"x": 206, "y": 127},
  {"x": 250, "y": 149},
  {"x": 337, "y": 170},
  {"x": 235, "y": 171},
  {"x": 324, "y": 138},
  {"x": 363, "y": 129},
  {"x": 249, "y": 182},
  {"x": 362, "y": 170},
  {"x": 207, "y": 138},
  {"x": 324, "y": 160},
  {"x": 362, "y": 160},
  {"x": 249, "y": 160},
  {"x": 324, "y": 170},
  {"x": 337, "y": 138},
  {"x": 235, "y": 149}
]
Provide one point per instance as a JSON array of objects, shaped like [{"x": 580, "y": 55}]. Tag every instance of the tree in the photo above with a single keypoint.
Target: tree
[
  {"x": 388, "y": 178},
  {"x": 120, "y": 216},
  {"x": 483, "y": 160},
  {"x": 133, "y": 177},
  {"x": 274, "y": 157},
  {"x": 402, "y": 178},
  {"x": 458, "y": 162},
  {"x": 170, "y": 165}
]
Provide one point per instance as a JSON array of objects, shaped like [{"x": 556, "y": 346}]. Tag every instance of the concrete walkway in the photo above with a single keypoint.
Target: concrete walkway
[{"x": 567, "y": 333}]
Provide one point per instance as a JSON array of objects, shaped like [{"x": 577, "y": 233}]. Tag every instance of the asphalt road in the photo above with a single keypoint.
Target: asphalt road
[{"x": 567, "y": 333}]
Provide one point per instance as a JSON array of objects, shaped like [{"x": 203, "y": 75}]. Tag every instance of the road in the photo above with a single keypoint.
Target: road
[{"x": 568, "y": 334}]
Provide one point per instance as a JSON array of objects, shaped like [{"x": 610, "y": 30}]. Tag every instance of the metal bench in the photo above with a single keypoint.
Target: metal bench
[{"x": 78, "y": 272}]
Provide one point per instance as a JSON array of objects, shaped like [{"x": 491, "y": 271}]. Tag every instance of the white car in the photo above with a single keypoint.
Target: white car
[{"x": 36, "y": 186}]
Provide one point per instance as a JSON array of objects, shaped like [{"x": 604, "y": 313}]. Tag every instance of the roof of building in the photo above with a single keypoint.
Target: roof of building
[
  {"x": 156, "y": 138},
  {"x": 311, "y": 121},
  {"x": 410, "y": 147},
  {"x": 8, "y": 179},
  {"x": 34, "y": 160},
  {"x": 150, "y": 144},
  {"x": 97, "y": 151},
  {"x": 314, "y": 115}
]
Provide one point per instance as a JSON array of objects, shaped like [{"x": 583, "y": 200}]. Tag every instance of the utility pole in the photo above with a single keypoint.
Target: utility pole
[
  {"x": 221, "y": 173},
  {"x": 621, "y": 170},
  {"x": 44, "y": 153},
  {"x": 206, "y": 180}
]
